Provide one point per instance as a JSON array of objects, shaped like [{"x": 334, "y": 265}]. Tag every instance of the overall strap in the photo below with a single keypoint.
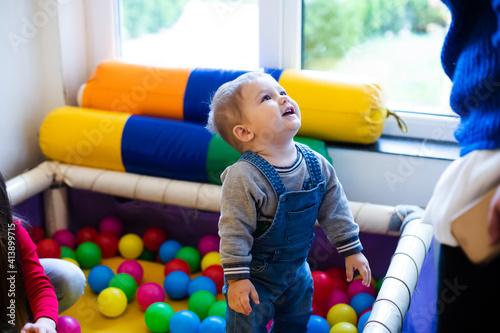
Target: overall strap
[
  {"x": 267, "y": 170},
  {"x": 312, "y": 164}
]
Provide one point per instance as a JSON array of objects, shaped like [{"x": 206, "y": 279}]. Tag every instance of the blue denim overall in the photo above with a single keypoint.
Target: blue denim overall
[{"x": 279, "y": 270}]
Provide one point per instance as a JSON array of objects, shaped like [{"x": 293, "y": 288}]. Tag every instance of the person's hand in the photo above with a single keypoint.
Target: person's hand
[
  {"x": 239, "y": 293},
  {"x": 358, "y": 262},
  {"x": 42, "y": 325},
  {"x": 494, "y": 218}
]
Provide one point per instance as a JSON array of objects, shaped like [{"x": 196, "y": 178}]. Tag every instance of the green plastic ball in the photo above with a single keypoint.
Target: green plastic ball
[
  {"x": 126, "y": 283},
  {"x": 148, "y": 255},
  {"x": 200, "y": 302},
  {"x": 191, "y": 255},
  {"x": 88, "y": 254},
  {"x": 157, "y": 317},
  {"x": 218, "y": 309},
  {"x": 66, "y": 252},
  {"x": 378, "y": 285}
]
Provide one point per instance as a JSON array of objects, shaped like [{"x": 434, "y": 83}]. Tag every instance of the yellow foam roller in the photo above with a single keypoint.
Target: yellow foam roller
[
  {"x": 336, "y": 108},
  {"x": 84, "y": 137}
]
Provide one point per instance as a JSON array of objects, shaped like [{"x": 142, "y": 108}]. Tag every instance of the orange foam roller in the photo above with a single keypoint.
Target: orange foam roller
[{"x": 137, "y": 89}]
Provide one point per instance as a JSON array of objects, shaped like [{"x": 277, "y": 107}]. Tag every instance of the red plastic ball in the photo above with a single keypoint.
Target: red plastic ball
[
  {"x": 48, "y": 248},
  {"x": 87, "y": 234},
  {"x": 64, "y": 238},
  {"x": 108, "y": 243},
  {"x": 36, "y": 233},
  {"x": 322, "y": 286},
  {"x": 208, "y": 243},
  {"x": 216, "y": 274},
  {"x": 111, "y": 224},
  {"x": 133, "y": 268},
  {"x": 339, "y": 278},
  {"x": 317, "y": 309},
  {"x": 357, "y": 287},
  {"x": 177, "y": 265},
  {"x": 153, "y": 238},
  {"x": 150, "y": 293}
]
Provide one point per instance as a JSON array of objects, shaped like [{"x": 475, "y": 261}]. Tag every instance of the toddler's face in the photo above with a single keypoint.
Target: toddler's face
[{"x": 268, "y": 111}]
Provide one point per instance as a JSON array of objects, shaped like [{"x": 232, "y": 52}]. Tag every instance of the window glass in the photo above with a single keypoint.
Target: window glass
[
  {"x": 396, "y": 42},
  {"x": 190, "y": 33}
]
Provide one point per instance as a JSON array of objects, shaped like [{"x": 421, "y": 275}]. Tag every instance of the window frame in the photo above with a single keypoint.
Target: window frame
[{"x": 280, "y": 46}]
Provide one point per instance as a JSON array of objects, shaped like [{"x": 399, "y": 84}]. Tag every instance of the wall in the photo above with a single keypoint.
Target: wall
[{"x": 31, "y": 83}]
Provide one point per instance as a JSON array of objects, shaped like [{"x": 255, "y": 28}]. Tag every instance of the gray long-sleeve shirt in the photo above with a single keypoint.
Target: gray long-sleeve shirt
[{"x": 248, "y": 199}]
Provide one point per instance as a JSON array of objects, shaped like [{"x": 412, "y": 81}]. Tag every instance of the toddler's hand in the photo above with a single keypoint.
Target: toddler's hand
[
  {"x": 358, "y": 261},
  {"x": 239, "y": 293},
  {"x": 42, "y": 325}
]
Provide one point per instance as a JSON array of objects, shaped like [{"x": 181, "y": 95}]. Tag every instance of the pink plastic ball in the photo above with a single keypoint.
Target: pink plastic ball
[
  {"x": 209, "y": 243},
  {"x": 67, "y": 324},
  {"x": 112, "y": 224},
  {"x": 357, "y": 287},
  {"x": 132, "y": 268},
  {"x": 335, "y": 297},
  {"x": 150, "y": 293},
  {"x": 64, "y": 238}
]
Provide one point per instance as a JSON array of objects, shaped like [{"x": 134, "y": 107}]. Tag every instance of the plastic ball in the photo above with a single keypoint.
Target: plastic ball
[
  {"x": 130, "y": 246},
  {"x": 36, "y": 233},
  {"x": 208, "y": 243},
  {"x": 359, "y": 276},
  {"x": 112, "y": 302},
  {"x": 48, "y": 248},
  {"x": 153, "y": 238},
  {"x": 379, "y": 285},
  {"x": 210, "y": 259},
  {"x": 133, "y": 268},
  {"x": 168, "y": 250},
  {"x": 213, "y": 324},
  {"x": 148, "y": 255},
  {"x": 357, "y": 287},
  {"x": 339, "y": 279},
  {"x": 150, "y": 293},
  {"x": 64, "y": 238},
  {"x": 216, "y": 273},
  {"x": 218, "y": 309},
  {"x": 341, "y": 313},
  {"x": 177, "y": 265},
  {"x": 185, "y": 321},
  {"x": 200, "y": 302},
  {"x": 87, "y": 234},
  {"x": 363, "y": 320},
  {"x": 176, "y": 285},
  {"x": 191, "y": 256},
  {"x": 202, "y": 283},
  {"x": 67, "y": 324},
  {"x": 335, "y": 297},
  {"x": 111, "y": 224},
  {"x": 317, "y": 309},
  {"x": 158, "y": 316},
  {"x": 344, "y": 327},
  {"x": 99, "y": 277},
  {"x": 361, "y": 302},
  {"x": 71, "y": 260},
  {"x": 88, "y": 254},
  {"x": 108, "y": 243},
  {"x": 322, "y": 286},
  {"x": 317, "y": 324},
  {"x": 125, "y": 283},
  {"x": 66, "y": 252}
]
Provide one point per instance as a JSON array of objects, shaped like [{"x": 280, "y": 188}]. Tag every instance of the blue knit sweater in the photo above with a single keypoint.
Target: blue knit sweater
[{"x": 471, "y": 58}]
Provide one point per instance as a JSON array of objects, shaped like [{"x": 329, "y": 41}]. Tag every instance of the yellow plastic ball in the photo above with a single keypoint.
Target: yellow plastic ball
[
  {"x": 341, "y": 313},
  {"x": 211, "y": 258},
  {"x": 71, "y": 260},
  {"x": 112, "y": 302},
  {"x": 373, "y": 281},
  {"x": 344, "y": 327},
  {"x": 130, "y": 246}
]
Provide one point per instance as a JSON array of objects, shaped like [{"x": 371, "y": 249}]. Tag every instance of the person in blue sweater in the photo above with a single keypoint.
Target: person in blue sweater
[{"x": 469, "y": 294}]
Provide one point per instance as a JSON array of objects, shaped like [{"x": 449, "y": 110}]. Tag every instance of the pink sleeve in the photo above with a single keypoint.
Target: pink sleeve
[{"x": 40, "y": 292}]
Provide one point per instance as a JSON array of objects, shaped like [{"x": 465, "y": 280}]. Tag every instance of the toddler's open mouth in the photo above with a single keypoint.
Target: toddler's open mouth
[{"x": 289, "y": 111}]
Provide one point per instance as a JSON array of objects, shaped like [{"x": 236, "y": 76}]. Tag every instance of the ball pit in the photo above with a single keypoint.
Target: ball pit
[
  {"x": 317, "y": 324},
  {"x": 66, "y": 252},
  {"x": 362, "y": 321},
  {"x": 150, "y": 293},
  {"x": 133, "y": 268},
  {"x": 125, "y": 283},
  {"x": 191, "y": 256},
  {"x": 48, "y": 248},
  {"x": 360, "y": 302},
  {"x": 153, "y": 238},
  {"x": 130, "y": 246},
  {"x": 68, "y": 324},
  {"x": 356, "y": 287},
  {"x": 158, "y": 316},
  {"x": 88, "y": 254},
  {"x": 36, "y": 233},
  {"x": 87, "y": 234},
  {"x": 177, "y": 265},
  {"x": 208, "y": 243},
  {"x": 202, "y": 283},
  {"x": 213, "y": 324},
  {"x": 218, "y": 309},
  {"x": 216, "y": 273},
  {"x": 176, "y": 285},
  {"x": 322, "y": 286},
  {"x": 168, "y": 250},
  {"x": 112, "y": 302},
  {"x": 99, "y": 277},
  {"x": 210, "y": 259},
  {"x": 64, "y": 237},
  {"x": 108, "y": 243},
  {"x": 111, "y": 224},
  {"x": 341, "y": 313},
  {"x": 200, "y": 303},
  {"x": 185, "y": 321},
  {"x": 344, "y": 327}
]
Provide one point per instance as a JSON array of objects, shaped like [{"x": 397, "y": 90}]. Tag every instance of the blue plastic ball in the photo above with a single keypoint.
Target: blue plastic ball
[
  {"x": 213, "y": 324},
  {"x": 185, "y": 321},
  {"x": 168, "y": 250},
  {"x": 361, "y": 302},
  {"x": 362, "y": 321},
  {"x": 176, "y": 284},
  {"x": 202, "y": 283},
  {"x": 99, "y": 278},
  {"x": 317, "y": 324}
]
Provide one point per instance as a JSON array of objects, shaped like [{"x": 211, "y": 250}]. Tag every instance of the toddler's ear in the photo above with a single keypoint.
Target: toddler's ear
[{"x": 242, "y": 133}]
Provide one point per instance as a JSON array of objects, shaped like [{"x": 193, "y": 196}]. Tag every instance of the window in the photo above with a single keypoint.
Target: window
[
  {"x": 397, "y": 42},
  {"x": 191, "y": 33}
]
